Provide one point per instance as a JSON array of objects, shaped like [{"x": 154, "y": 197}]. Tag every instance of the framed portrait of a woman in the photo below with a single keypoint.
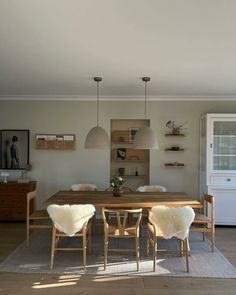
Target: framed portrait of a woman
[{"x": 14, "y": 149}]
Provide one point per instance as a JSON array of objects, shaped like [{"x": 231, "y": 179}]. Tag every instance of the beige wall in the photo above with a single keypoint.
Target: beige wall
[{"x": 56, "y": 170}]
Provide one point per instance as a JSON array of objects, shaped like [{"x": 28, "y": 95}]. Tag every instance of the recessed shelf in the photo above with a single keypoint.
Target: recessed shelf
[{"x": 122, "y": 142}]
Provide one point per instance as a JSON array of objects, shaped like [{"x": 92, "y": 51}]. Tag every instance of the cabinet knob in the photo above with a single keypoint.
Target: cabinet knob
[{"x": 228, "y": 179}]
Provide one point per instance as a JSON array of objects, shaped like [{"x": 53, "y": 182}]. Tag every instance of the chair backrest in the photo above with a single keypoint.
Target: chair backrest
[
  {"x": 208, "y": 199},
  {"x": 151, "y": 188},
  {"x": 172, "y": 222},
  {"x": 83, "y": 187},
  {"x": 121, "y": 218},
  {"x": 70, "y": 219},
  {"x": 30, "y": 196}
]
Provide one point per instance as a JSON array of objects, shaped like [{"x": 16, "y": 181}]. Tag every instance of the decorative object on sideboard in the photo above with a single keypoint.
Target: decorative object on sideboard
[
  {"x": 24, "y": 178},
  {"x": 175, "y": 129},
  {"x": 14, "y": 149},
  {"x": 5, "y": 175},
  {"x": 145, "y": 138},
  {"x": 97, "y": 138},
  {"x": 116, "y": 183}
]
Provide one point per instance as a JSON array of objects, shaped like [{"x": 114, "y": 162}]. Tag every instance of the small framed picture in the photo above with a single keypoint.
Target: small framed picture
[
  {"x": 132, "y": 133},
  {"x": 121, "y": 154}
]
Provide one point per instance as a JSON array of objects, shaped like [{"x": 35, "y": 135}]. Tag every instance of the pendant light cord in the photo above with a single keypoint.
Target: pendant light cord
[
  {"x": 97, "y": 103},
  {"x": 145, "y": 93}
]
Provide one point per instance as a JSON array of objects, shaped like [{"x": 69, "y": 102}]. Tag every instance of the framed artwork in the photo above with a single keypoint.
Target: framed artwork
[
  {"x": 14, "y": 149},
  {"x": 121, "y": 154},
  {"x": 132, "y": 133}
]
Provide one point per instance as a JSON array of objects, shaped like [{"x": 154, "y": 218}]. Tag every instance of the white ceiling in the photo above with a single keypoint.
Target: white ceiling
[{"x": 54, "y": 47}]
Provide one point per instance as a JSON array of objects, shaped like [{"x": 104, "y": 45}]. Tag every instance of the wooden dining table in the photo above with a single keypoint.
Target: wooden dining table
[{"x": 127, "y": 200}]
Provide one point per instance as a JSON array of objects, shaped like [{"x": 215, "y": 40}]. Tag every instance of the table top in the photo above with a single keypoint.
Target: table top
[{"x": 128, "y": 199}]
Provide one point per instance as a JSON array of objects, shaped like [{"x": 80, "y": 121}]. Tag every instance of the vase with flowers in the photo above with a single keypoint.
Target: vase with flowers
[{"x": 116, "y": 183}]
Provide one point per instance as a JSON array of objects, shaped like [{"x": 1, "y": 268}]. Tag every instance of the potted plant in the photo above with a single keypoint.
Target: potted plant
[{"x": 116, "y": 183}]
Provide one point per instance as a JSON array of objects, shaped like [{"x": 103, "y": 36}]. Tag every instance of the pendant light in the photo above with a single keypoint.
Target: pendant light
[
  {"x": 97, "y": 138},
  {"x": 145, "y": 138}
]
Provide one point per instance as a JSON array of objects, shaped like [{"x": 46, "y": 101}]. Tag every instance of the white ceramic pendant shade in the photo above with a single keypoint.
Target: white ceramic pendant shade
[
  {"x": 97, "y": 138},
  {"x": 145, "y": 138}
]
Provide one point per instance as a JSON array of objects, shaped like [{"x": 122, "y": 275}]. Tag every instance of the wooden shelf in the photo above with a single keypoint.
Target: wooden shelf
[
  {"x": 174, "y": 164},
  {"x": 122, "y": 142},
  {"x": 129, "y": 154},
  {"x": 170, "y": 134},
  {"x": 55, "y": 141},
  {"x": 171, "y": 150}
]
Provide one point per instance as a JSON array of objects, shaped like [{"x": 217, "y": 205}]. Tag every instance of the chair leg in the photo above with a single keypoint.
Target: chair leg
[
  {"x": 180, "y": 248},
  {"x": 89, "y": 238},
  {"x": 148, "y": 243},
  {"x": 84, "y": 249},
  {"x": 27, "y": 232},
  {"x": 154, "y": 253},
  {"x": 53, "y": 246},
  {"x": 137, "y": 251},
  {"x": 186, "y": 253},
  {"x": 105, "y": 251},
  {"x": 213, "y": 238},
  {"x": 203, "y": 236}
]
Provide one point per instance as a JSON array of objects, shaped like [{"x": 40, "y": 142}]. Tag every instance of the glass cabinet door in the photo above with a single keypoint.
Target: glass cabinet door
[{"x": 224, "y": 145}]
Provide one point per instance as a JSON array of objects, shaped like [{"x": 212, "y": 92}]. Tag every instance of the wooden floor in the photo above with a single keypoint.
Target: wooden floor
[{"x": 12, "y": 234}]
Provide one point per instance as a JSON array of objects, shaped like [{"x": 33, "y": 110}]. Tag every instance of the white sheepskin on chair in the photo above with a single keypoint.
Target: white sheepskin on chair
[
  {"x": 172, "y": 222},
  {"x": 83, "y": 187},
  {"x": 70, "y": 219},
  {"x": 151, "y": 188}
]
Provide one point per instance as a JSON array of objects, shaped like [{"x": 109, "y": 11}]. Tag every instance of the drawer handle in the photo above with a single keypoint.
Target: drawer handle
[{"x": 228, "y": 179}]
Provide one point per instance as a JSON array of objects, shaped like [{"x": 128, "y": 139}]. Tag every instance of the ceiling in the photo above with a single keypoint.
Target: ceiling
[{"x": 54, "y": 48}]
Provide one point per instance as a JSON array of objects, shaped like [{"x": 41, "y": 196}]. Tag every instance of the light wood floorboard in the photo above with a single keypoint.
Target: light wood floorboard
[{"x": 11, "y": 234}]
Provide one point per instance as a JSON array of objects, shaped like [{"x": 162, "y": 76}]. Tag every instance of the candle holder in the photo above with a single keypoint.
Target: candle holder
[{"x": 5, "y": 175}]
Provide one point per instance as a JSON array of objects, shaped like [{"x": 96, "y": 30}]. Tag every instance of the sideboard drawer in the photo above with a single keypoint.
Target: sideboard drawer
[
  {"x": 217, "y": 179},
  {"x": 6, "y": 213},
  {"x": 13, "y": 200}
]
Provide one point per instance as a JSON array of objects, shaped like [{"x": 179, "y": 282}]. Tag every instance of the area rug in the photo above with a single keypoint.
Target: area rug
[{"x": 36, "y": 259}]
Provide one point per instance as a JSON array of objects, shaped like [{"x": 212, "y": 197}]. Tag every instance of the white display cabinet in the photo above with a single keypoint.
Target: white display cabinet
[{"x": 218, "y": 164}]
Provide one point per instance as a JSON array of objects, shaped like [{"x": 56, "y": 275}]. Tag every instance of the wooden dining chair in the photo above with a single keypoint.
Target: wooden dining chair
[
  {"x": 35, "y": 218},
  {"x": 121, "y": 229},
  {"x": 73, "y": 223},
  {"x": 169, "y": 223},
  {"x": 204, "y": 222}
]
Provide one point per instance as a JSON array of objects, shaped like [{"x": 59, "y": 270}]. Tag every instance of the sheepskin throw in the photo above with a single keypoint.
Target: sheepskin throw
[
  {"x": 70, "y": 219},
  {"x": 83, "y": 187},
  {"x": 151, "y": 188},
  {"x": 172, "y": 222}
]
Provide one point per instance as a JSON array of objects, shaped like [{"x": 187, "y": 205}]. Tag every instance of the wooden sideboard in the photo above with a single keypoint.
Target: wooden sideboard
[{"x": 13, "y": 199}]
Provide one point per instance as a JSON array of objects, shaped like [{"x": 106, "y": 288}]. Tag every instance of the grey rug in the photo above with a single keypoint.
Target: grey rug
[{"x": 36, "y": 259}]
